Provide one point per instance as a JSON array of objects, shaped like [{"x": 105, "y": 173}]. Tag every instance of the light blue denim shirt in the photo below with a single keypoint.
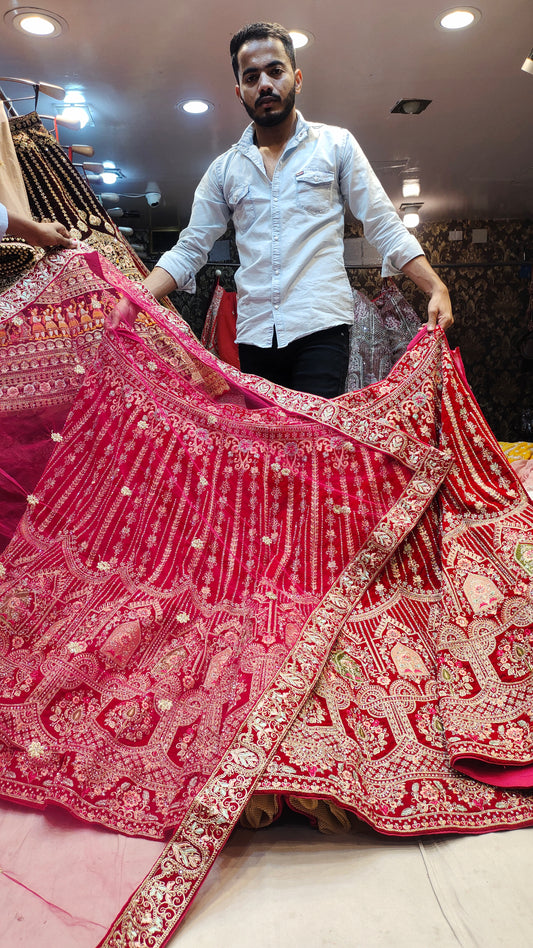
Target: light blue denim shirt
[{"x": 290, "y": 231}]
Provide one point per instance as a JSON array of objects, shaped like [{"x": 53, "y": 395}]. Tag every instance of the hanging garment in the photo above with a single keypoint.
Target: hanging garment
[
  {"x": 44, "y": 350},
  {"x": 56, "y": 191},
  {"x": 218, "y": 335},
  {"x": 380, "y": 334},
  {"x": 223, "y": 588},
  {"x": 370, "y": 357},
  {"x": 400, "y": 320},
  {"x": 15, "y": 253}
]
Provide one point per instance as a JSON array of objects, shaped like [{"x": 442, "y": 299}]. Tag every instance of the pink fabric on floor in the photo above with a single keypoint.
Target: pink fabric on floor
[{"x": 41, "y": 904}]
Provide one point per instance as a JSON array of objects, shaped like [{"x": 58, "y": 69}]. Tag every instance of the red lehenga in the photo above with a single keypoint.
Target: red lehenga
[{"x": 223, "y": 588}]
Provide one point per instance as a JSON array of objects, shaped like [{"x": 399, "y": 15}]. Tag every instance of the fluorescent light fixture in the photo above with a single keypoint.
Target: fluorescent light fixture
[
  {"x": 36, "y": 22},
  {"x": 301, "y": 38},
  {"x": 527, "y": 65},
  {"x": 411, "y": 187},
  {"x": 457, "y": 18},
  {"x": 194, "y": 106}
]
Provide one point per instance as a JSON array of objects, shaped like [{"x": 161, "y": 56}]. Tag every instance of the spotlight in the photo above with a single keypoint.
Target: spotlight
[
  {"x": 411, "y": 217},
  {"x": 301, "y": 38},
  {"x": 36, "y": 22},
  {"x": 458, "y": 18},
  {"x": 153, "y": 194},
  {"x": 194, "y": 106}
]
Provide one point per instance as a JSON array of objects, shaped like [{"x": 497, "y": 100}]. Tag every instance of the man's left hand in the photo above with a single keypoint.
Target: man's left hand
[{"x": 440, "y": 310}]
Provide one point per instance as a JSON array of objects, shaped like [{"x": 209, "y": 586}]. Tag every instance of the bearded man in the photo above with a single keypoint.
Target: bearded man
[{"x": 285, "y": 184}]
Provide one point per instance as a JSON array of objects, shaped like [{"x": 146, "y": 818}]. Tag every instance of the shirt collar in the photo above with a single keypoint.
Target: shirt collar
[{"x": 246, "y": 141}]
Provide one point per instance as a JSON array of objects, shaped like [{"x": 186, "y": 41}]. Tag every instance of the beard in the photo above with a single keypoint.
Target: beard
[{"x": 269, "y": 119}]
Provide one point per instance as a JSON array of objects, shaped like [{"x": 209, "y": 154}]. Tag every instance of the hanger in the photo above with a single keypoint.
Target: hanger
[{"x": 47, "y": 88}]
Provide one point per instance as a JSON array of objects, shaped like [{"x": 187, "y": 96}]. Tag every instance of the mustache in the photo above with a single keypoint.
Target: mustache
[{"x": 268, "y": 95}]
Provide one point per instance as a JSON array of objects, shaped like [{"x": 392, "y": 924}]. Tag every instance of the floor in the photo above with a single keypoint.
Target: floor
[
  {"x": 289, "y": 887},
  {"x": 62, "y": 883}
]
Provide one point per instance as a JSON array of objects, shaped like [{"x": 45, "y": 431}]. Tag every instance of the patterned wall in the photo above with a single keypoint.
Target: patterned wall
[{"x": 489, "y": 285}]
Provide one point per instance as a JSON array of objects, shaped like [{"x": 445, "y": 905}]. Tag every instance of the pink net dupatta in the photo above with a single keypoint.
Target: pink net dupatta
[{"x": 221, "y": 587}]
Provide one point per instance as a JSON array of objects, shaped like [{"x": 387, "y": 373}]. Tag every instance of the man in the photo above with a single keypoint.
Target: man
[
  {"x": 285, "y": 184},
  {"x": 36, "y": 233}
]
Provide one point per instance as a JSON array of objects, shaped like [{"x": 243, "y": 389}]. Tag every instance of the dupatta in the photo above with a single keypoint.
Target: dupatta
[{"x": 222, "y": 588}]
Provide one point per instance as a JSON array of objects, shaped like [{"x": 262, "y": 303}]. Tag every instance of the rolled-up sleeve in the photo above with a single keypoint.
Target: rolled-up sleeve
[
  {"x": 208, "y": 221},
  {"x": 369, "y": 203}
]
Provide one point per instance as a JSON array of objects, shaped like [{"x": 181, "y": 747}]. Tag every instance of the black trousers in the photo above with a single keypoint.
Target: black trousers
[{"x": 317, "y": 363}]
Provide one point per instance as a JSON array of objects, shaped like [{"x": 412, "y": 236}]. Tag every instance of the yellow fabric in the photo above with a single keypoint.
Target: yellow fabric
[{"x": 515, "y": 450}]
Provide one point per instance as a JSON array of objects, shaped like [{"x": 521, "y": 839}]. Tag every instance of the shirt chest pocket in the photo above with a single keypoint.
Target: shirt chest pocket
[
  {"x": 242, "y": 206},
  {"x": 314, "y": 191}
]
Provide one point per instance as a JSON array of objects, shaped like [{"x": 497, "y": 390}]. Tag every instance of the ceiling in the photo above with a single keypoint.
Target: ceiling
[{"x": 135, "y": 60}]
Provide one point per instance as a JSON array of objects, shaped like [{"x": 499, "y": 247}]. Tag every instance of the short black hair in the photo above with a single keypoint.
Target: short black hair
[{"x": 260, "y": 31}]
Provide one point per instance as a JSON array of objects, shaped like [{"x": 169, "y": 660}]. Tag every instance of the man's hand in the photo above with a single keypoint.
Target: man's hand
[
  {"x": 123, "y": 312},
  {"x": 440, "y": 310},
  {"x": 439, "y": 307}
]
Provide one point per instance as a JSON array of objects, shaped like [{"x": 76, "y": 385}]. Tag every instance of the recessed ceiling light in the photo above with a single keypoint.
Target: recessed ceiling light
[
  {"x": 194, "y": 106},
  {"x": 411, "y": 106},
  {"x": 301, "y": 38},
  {"x": 36, "y": 22},
  {"x": 457, "y": 18}
]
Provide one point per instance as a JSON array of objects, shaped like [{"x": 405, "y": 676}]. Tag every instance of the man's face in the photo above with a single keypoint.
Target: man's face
[{"x": 268, "y": 85}]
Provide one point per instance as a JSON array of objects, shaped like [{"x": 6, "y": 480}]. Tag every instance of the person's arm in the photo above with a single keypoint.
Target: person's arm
[
  {"x": 38, "y": 233},
  {"x": 382, "y": 226},
  {"x": 423, "y": 275},
  {"x": 178, "y": 267},
  {"x": 158, "y": 282}
]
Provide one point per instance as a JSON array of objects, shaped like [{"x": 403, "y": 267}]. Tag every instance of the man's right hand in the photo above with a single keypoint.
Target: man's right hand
[{"x": 123, "y": 312}]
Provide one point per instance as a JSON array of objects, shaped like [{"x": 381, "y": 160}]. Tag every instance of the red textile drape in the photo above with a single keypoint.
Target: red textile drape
[
  {"x": 222, "y": 587},
  {"x": 218, "y": 335}
]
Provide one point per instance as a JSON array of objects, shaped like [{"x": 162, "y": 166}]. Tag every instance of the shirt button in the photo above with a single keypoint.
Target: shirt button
[{"x": 276, "y": 237}]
